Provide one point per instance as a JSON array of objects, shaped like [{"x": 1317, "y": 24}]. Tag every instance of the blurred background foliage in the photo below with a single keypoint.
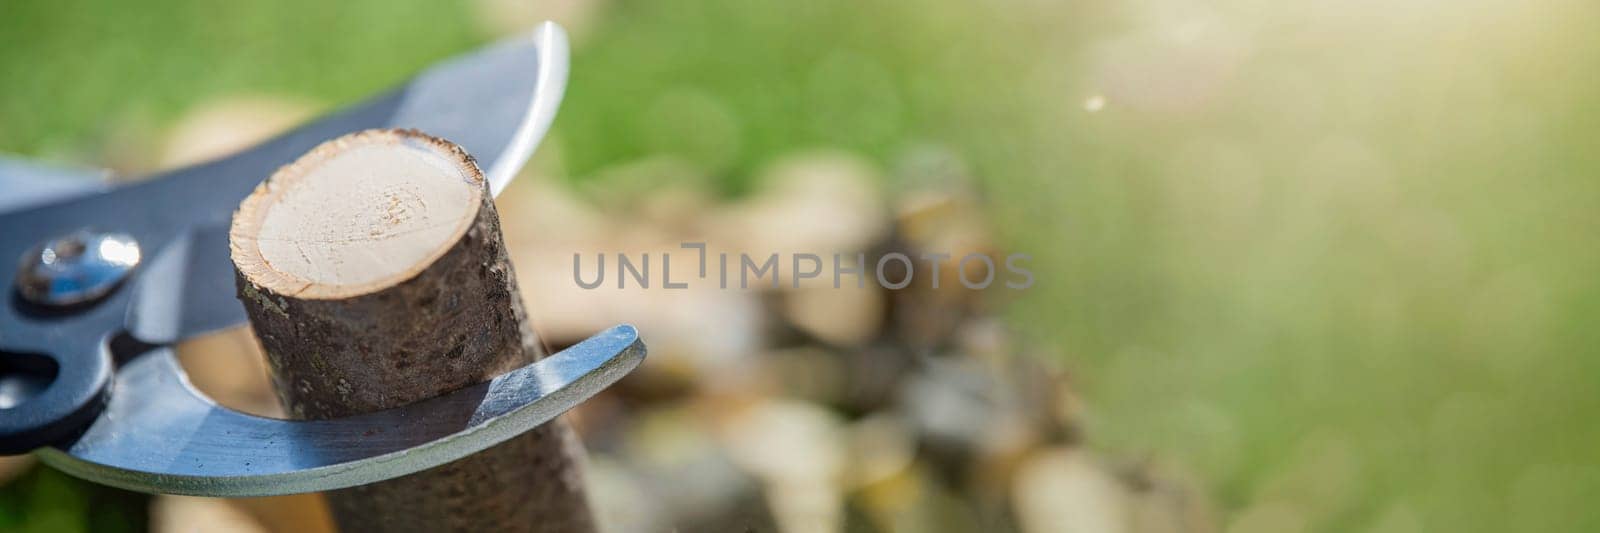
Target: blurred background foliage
[{"x": 1337, "y": 259}]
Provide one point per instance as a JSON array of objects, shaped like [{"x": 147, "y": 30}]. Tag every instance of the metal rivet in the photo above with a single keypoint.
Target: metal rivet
[{"x": 80, "y": 267}]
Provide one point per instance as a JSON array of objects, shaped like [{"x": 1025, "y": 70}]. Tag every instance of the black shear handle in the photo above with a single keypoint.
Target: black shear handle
[{"x": 48, "y": 398}]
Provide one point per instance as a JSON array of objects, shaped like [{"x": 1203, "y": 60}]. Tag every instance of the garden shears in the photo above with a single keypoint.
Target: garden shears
[{"x": 105, "y": 280}]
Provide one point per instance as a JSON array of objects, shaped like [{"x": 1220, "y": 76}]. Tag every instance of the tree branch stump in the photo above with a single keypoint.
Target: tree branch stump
[{"x": 374, "y": 274}]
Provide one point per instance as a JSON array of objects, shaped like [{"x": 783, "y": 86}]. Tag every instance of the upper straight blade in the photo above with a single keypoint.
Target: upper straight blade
[
  {"x": 478, "y": 103},
  {"x": 28, "y": 184}
]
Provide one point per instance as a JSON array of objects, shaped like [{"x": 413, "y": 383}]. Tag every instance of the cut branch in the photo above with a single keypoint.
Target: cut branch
[{"x": 374, "y": 274}]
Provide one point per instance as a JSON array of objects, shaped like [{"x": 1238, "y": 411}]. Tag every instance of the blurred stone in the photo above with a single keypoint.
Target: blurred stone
[
  {"x": 888, "y": 502},
  {"x": 936, "y": 203},
  {"x": 698, "y": 335},
  {"x": 226, "y": 125},
  {"x": 799, "y": 452},
  {"x": 986, "y": 338},
  {"x": 913, "y": 501},
  {"x": 674, "y": 448},
  {"x": 881, "y": 447},
  {"x": 669, "y": 454},
  {"x": 535, "y": 203},
  {"x": 922, "y": 318},
  {"x": 712, "y": 333},
  {"x": 14, "y": 466},
  {"x": 939, "y": 222},
  {"x": 964, "y": 412},
  {"x": 782, "y": 440},
  {"x": 1067, "y": 490},
  {"x": 875, "y": 376},
  {"x": 822, "y": 203},
  {"x": 600, "y": 420},
  {"x": 1031, "y": 380},
  {"x": 228, "y": 366},
  {"x": 622, "y": 502},
  {"x": 806, "y": 373},
  {"x": 1164, "y": 500},
  {"x": 846, "y": 315},
  {"x": 951, "y": 404},
  {"x": 294, "y": 513},
  {"x": 188, "y": 514},
  {"x": 527, "y": 211},
  {"x": 940, "y": 211},
  {"x": 806, "y": 507},
  {"x": 679, "y": 208}
]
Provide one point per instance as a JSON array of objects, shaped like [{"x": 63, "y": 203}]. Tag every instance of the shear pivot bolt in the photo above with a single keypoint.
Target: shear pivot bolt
[{"x": 79, "y": 267}]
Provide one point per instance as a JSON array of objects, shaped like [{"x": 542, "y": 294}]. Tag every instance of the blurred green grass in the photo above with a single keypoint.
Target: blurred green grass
[
  {"x": 1339, "y": 263},
  {"x": 74, "y": 70}
]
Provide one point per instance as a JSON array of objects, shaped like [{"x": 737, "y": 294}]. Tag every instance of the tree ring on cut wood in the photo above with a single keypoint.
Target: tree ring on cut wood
[{"x": 356, "y": 215}]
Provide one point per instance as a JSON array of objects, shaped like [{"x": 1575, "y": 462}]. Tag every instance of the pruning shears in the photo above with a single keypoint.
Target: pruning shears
[{"x": 107, "y": 279}]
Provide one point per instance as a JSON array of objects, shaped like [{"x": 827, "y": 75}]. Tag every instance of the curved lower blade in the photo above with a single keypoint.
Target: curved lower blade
[{"x": 158, "y": 434}]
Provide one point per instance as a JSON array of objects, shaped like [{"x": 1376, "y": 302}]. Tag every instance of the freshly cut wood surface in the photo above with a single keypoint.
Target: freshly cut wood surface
[
  {"x": 357, "y": 214},
  {"x": 374, "y": 274}
]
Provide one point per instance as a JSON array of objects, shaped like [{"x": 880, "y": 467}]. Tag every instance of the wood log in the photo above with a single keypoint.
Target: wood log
[{"x": 374, "y": 274}]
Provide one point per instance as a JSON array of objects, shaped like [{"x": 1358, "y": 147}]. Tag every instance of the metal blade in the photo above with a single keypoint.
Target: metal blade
[
  {"x": 497, "y": 103},
  {"x": 160, "y": 435},
  {"x": 28, "y": 184},
  {"x": 176, "y": 296}
]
